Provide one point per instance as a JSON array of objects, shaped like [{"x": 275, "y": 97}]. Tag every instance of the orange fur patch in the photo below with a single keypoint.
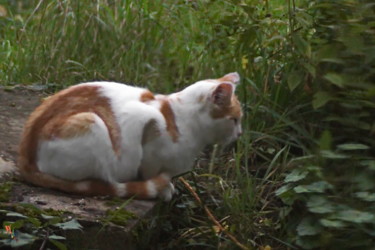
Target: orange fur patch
[
  {"x": 170, "y": 120},
  {"x": 75, "y": 125},
  {"x": 140, "y": 190},
  {"x": 46, "y": 121},
  {"x": 147, "y": 96}
]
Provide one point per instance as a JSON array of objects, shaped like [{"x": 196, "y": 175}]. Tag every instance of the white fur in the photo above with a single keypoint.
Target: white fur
[
  {"x": 91, "y": 155},
  {"x": 121, "y": 189}
]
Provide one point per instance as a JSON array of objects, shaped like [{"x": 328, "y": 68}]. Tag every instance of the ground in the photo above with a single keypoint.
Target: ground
[{"x": 15, "y": 106}]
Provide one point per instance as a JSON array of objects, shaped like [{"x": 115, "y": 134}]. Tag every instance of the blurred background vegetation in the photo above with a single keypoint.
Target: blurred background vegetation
[{"x": 303, "y": 173}]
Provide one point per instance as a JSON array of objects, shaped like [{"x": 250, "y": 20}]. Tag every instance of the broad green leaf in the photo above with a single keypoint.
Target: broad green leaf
[
  {"x": 304, "y": 19},
  {"x": 17, "y": 224},
  {"x": 302, "y": 46},
  {"x": 355, "y": 216},
  {"x": 47, "y": 217},
  {"x": 34, "y": 221},
  {"x": 72, "y": 224},
  {"x": 316, "y": 187},
  {"x": 320, "y": 205},
  {"x": 283, "y": 189},
  {"x": 294, "y": 79},
  {"x": 369, "y": 163},
  {"x": 22, "y": 239},
  {"x": 353, "y": 146},
  {"x": 325, "y": 141},
  {"x": 320, "y": 99},
  {"x": 56, "y": 237},
  {"x": 332, "y": 155},
  {"x": 309, "y": 226},
  {"x": 310, "y": 68},
  {"x": 332, "y": 223},
  {"x": 286, "y": 194},
  {"x": 14, "y": 214},
  {"x": 366, "y": 196},
  {"x": 296, "y": 175},
  {"x": 335, "y": 79}
]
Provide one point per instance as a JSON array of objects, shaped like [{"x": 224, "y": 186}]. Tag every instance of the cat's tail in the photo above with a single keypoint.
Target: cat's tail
[{"x": 156, "y": 187}]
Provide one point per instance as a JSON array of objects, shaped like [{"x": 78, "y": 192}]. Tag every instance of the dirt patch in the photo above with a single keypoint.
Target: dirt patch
[{"x": 15, "y": 106}]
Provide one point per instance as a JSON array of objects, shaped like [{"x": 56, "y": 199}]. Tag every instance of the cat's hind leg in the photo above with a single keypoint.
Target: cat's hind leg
[{"x": 77, "y": 148}]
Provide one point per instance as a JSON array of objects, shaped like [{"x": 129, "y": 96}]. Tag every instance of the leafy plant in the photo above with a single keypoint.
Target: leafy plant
[
  {"x": 32, "y": 225},
  {"x": 334, "y": 188}
]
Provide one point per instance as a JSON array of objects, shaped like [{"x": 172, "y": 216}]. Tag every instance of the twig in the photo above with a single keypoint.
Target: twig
[
  {"x": 211, "y": 216},
  {"x": 44, "y": 241}
]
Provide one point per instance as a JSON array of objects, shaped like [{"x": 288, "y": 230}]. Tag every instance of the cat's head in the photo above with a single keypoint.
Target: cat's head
[{"x": 219, "y": 109}]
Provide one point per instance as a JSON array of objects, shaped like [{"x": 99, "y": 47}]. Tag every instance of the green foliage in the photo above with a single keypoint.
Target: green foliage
[
  {"x": 335, "y": 193},
  {"x": 5, "y": 188},
  {"x": 118, "y": 215},
  {"x": 307, "y": 92},
  {"x": 31, "y": 225}
]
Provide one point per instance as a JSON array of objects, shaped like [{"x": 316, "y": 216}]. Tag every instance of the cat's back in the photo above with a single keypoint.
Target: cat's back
[{"x": 90, "y": 96}]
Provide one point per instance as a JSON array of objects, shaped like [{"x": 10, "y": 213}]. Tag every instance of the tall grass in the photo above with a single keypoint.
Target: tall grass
[{"x": 166, "y": 45}]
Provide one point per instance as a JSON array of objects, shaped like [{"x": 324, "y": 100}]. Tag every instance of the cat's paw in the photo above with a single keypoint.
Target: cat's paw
[{"x": 167, "y": 193}]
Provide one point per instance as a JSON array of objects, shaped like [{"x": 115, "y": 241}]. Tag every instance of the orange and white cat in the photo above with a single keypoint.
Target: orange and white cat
[{"x": 106, "y": 138}]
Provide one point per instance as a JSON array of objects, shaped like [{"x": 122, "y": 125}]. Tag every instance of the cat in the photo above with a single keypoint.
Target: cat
[{"x": 107, "y": 138}]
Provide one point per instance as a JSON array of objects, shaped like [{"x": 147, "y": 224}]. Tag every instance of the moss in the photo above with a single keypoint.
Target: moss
[
  {"x": 114, "y": 201},
  {"x": 118, "y": 216},
  {"x": 5, "y": 189}
]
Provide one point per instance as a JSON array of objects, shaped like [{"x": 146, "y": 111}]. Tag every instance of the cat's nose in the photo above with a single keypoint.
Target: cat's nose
[{"x": 239, "y": 134}]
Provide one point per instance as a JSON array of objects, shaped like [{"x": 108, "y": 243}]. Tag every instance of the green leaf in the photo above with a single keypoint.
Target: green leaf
[
  {"x": 56, "y": 237},
  {"x": 366, "y": 196},
  {"x": 294, "y": 79},
  {"x": 325, "y": 141},
  {"x": 309, "y": 226},
  {"x": 58, "y": 244},
  {"x": 316, "y": 187},
  {"x": 47, "y": 217},
  {"x": 17, "y": 224},
  {"x": 34, "y": 221},
  {"x": 332, "y": 155},
  {"x": 355, "y": 216},
  {"x": 320, "y": 99},
  {"x": 286, "y": 194},
  {"x": 283, "y": 190},
  {"x": 332, "y": 223},
  {"x": 72, "y": 224},
  {"x": 14, "y": 214},
  {"x": 353, "y": 146},
  {"x": 335, "y": 79},
  {"x": 22, "y": 239},
  {"x": 296, "y": 175},
  {"x": 368, "y": 163},
  {"x": 320, "y": 205}
]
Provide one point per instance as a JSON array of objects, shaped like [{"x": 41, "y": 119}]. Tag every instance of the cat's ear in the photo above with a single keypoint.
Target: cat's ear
[
  {"x": 233, "y": 78},
  {"x": 222, "y": 94}
]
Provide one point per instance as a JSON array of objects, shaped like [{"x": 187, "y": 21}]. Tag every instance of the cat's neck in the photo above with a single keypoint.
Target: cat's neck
[{"x": 190, "y": 123}]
